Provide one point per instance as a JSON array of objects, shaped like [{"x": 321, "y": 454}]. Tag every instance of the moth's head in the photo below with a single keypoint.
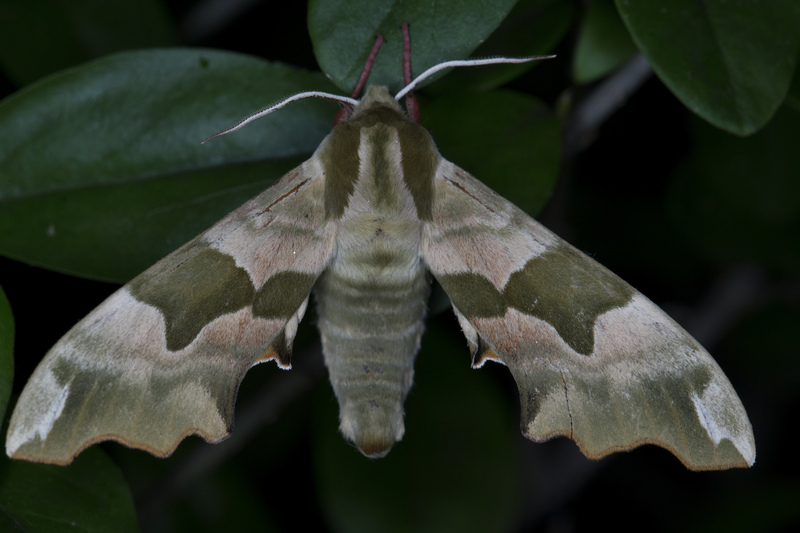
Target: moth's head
[{"x": 376, "y": 99}]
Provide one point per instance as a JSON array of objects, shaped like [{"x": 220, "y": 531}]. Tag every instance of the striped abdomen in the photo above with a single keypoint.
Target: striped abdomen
[{"x": 372, "y": 303}]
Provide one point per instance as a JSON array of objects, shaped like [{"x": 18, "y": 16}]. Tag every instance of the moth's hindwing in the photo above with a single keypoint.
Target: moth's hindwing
[
  {"x": 593, "y": 358},
  {"x": 162, "y": 358}
]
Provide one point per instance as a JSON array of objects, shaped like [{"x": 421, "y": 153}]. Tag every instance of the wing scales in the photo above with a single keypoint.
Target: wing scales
[
  {"x": 594, "y": 360},
  {"x": 162, "y": 358}
]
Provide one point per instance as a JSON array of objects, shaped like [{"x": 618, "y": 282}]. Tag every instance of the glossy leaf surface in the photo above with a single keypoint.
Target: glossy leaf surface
[
  {"x": 729, "y": 62},
  {"x": 103, "y": 168},
  {"x": 343, "y": 33}
]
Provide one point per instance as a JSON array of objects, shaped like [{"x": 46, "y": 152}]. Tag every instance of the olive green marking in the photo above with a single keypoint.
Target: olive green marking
[
  {"x": 420, "y": 159},
  {"x": 660, "y": 405},
  {"x": 563, "y": 287},
  {"x": 670, "y": 412},
  {"x": 473, "y": 295},
  {"x": 282, "y": 294},
  {"x": 574, "y": 292},
  {"x": 340, "y": 161},
  {"x": 205, "y": 286},
  {"x": 379, "y": 138},
  {"x": 126, "y": 408}
]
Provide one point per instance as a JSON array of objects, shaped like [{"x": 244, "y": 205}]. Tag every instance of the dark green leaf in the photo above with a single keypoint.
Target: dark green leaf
[
  {"x": 6, "y": 351},
  {"x": 89, "y": 495},
  {"x": 103, "y": 168},
  {"x": 738, "y": 200},
  {"x": 454, "y": 470},
  {"x": 508, "y": 140},
  {"x": 38, "y": 37},
  {"x": 603, "y": 45},
  {"x": 729, "y": 62},
  {"x": 344, "y": 31}
]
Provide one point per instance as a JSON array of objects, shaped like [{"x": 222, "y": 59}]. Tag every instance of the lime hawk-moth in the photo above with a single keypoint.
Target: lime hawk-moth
[{"x": 364, "y": 224}]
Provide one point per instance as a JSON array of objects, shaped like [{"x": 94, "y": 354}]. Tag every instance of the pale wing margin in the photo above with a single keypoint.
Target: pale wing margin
[
  {"x": 162, "y": 358},
  {"x": 594, "y": 360}
]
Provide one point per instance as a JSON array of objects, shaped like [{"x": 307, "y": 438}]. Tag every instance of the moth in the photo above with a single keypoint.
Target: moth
[{"x": 364, "y": 224}]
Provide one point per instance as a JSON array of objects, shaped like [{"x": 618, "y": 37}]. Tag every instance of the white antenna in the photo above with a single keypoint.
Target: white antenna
[
  {"x": 283, "y": 103},
  {"x": 465, "y": 63},
  {"x": 353, "y": 102}
]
